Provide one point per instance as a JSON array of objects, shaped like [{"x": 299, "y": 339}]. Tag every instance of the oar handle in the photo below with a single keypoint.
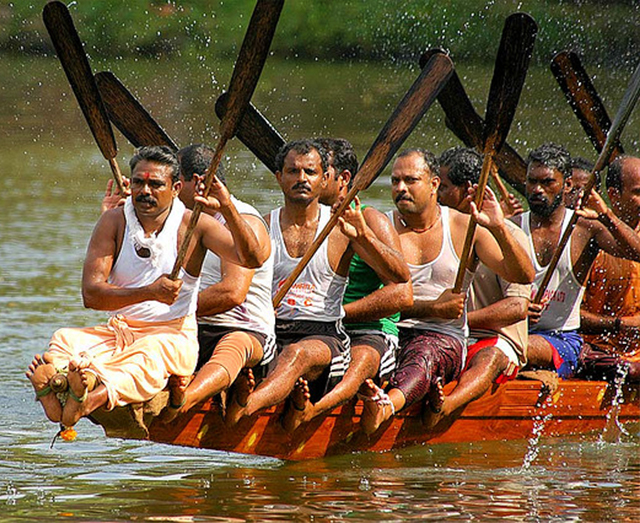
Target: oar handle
[
  {"x": 117, "y": 175},
  {"x": 197, "y": 208},
  {"x": 487, "y": 166},
  {"x": 502, "y": 189},
  {"x": 304, "y": 261}
]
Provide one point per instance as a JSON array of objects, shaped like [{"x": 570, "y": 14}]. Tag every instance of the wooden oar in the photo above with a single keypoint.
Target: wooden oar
[
  {"x": 583, "y": 98},
  {"x": 129, "y": 115},
  {"x": 405, "y": 117},
  {"x": 256, "y": 132},
  {"x": 76, "y": 66},
  {"x": 468, "y": 126},
  {"x": 512, "y": 62},
  {"x": 624, "y": 111},
  {"x": 244, "y": 79}
]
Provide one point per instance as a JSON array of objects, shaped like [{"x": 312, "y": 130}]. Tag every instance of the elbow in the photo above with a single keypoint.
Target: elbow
[
  {"x": 406, "y": 296},
  {"x": 89, "y": 299}
]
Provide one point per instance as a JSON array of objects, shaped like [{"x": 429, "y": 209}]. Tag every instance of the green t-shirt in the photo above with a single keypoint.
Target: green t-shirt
[{"x": 363, "y": 280}]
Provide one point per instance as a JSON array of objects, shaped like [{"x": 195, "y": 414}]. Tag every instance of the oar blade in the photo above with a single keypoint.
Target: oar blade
[
  {"x": 256, "y": 132},
  {"x": 129, "y": 115},
  {"x": 582, "y": 96},
  {"x": 404, "y": 119},
  {"x": 76, "y": 66},
  {"x": 512, "y": 62},
  {"x": 251, "y": 58},
  {"x": 463, "y": 120}
]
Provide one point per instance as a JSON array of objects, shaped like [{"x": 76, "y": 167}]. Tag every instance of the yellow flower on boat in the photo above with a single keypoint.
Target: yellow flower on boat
[{"x": 69, "y": 434}]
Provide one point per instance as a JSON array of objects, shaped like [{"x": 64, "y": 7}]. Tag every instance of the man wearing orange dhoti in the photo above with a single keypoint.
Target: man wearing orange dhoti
[{"x": 151, "y": 333}]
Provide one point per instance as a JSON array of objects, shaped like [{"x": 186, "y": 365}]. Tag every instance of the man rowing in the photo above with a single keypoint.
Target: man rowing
[
  {"x": 371, "y": 302},
  {"x": 554, "y": 342},
  {"x": 433, "y": 332},
  {"x": 497, "y": 309},
  {"x": 235, "y": 313},
  {"x": 151, "y": 333},
  {"x": 610, "y": 313},
  {"x": 312, "y": 341}
]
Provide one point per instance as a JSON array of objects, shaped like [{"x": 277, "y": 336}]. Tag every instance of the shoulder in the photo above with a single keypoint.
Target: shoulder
[{"x": 111, "y": 220}]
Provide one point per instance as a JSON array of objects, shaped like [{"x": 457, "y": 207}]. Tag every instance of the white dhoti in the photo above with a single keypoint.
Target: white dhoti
[{"x": 132, "y": 359}]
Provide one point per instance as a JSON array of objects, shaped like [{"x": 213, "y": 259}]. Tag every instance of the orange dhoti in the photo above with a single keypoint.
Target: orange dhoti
[{"x": 133, "y": 359}]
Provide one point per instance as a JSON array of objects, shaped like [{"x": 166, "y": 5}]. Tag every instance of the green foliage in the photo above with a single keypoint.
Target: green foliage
[{"x": 603, "y": 32}]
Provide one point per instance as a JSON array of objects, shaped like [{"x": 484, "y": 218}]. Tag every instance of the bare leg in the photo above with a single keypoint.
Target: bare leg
[
  {"x": 482, "y": 371},
  {"x": 376, "y": 407},
  {"x": 300, "y": 408},
  {"x": 306, "y": 359},
  {"x": 40, "y": 372},
  {"x": 540, "y": 354},
  {"x": 365, "y": 362},
  {"x": 81, "y": 381}
]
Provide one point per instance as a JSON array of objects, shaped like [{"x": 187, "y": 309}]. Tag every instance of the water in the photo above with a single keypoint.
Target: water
[{"x": 51, "y": 182}]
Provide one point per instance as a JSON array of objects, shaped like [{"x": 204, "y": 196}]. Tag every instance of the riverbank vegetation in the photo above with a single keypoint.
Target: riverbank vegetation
[{"x": 602, "y": 31}]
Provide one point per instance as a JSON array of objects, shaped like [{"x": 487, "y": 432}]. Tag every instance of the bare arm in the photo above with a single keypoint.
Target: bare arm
[
  {"x": 97, "y": 292},
  {"x": 591, "y": 323},
  {"x": 381, "y": 303},
  {"x": 376, "y": 241},
  {"x": 499, "y": 314},
  {"x": 251, "y": 242},
  {"x": 228, "y": 293},
  {"x": 447, "y": 306}
]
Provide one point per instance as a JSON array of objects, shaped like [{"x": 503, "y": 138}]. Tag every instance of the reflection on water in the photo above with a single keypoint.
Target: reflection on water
[{"x": 52, "y": 178}]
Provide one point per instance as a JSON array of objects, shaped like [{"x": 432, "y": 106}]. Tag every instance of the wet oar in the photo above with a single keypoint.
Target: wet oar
[
  {"x": 244, "y": 79},
  {"x": 512, "y": 62},
  {"x": 256, "y": 132},
  {"x": 624, "y": 111},
  {"x": 129, "y": 115},
  {"x": 76, "y": 66},
  {"x": 406, "y": 116},
  {"x": 583, "y": 98},
  {"x": 468, "y": 126}
]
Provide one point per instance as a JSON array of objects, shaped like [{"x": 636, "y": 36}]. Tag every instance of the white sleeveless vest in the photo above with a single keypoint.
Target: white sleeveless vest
[
  {"x": 256, "y": 313},
  {"x": 564, "y": 292},
  {"x": 317, "y": 294},
  {"x": 432, "y": 279},
  {"x": 132, "y": 270}
]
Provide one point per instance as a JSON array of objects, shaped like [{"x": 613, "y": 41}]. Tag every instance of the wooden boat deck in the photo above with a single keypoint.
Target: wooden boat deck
[{"x": 506, "y": 412}]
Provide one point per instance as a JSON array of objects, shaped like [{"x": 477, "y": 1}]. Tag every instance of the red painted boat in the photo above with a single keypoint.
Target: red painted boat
[{"x": 506, "y": 412}]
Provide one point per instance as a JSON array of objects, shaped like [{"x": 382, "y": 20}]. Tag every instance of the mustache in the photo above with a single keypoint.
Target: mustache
[
  {"x": 403, "y": 197},
  {"x": 143, "y": 198},
  {"x": 301, "y": 185}
]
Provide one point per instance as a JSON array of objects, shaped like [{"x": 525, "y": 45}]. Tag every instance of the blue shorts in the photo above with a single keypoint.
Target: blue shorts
[{"x": 566, "y": 346}]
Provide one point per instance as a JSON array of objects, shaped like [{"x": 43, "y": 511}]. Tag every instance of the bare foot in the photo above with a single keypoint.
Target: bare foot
[
  {"x": 434, "y": 409},
  {"x": 239, "y": 396},
  {"x": 80, "y": 382},
  {"x": 377, "y": 406},
  {"x": 40, "y": 372},
  {"x": 300, "y": 408},
  {"x": 178, "y": 386}
]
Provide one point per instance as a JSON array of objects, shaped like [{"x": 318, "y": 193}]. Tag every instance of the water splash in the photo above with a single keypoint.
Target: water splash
[
  {"x": 613, "y": 429},
  {"x": 539, "y": 424}
]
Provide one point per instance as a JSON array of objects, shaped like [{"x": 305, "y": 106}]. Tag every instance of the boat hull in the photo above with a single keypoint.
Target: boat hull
[{"x": 505, "y": 412}]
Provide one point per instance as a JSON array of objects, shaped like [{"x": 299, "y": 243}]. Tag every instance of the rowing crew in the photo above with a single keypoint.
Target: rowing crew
[{"x": 372, "y": 314}]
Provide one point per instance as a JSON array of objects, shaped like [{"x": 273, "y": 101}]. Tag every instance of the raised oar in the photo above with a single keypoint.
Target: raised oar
[
  {"x": 583, "y": 98},
  {"x": 256, "y": 132},
  {"x": 244, "y": 79},
  {"x": 468, "y": 126},
  {"x": 512, "y": 62},
  {"x": 405, "y": 117},
  {"x": 129, "y": 115},
  {"x": 624, "y": 111},
  {"x": 76, "y": 66}
]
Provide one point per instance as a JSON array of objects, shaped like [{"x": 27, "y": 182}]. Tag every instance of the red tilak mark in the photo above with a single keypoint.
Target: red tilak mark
[{"x": 146, "y": 176}]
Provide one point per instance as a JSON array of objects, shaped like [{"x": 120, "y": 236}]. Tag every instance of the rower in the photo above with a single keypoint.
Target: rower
[
  {"x": 496, "y": 309},
  {"x": 152, "y": 330},
  {"x": 610, "y": 312},
  {"x": 311, "y": 338},
  {"x": 433, "y": 332},
  {"x": 371, "y": 302},
  {"x": 580, "y": 173},
  {"x": 554, "y": 342}
]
